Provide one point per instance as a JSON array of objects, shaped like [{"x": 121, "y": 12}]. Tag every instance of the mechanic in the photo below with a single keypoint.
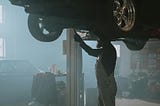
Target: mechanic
[{"x": 105, "y": 65}]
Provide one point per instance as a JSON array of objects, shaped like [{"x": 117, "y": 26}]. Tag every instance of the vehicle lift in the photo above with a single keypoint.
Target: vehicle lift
[
  {"x": 75, "y": 77},
  {"x": 74, "y": 89}
]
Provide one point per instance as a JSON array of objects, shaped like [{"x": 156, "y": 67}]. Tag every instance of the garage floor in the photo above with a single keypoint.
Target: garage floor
[
  {"x": 119, "y": 102},
  {"x": 134, "y": 102}
]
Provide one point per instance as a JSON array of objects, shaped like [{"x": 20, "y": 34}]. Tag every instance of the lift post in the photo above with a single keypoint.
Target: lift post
[{"x": 75, "y": 88}]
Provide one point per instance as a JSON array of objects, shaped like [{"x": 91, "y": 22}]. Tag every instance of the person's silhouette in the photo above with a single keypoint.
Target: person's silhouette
[{"x": 105, "y": 65}]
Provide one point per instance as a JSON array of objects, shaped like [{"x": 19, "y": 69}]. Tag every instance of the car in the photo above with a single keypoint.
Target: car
[
  {"x": 16, "y": 78},
  {"x": 130, "y": 21}
]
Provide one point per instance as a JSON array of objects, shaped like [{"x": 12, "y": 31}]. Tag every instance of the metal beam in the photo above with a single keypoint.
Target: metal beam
[{"x": 74, "y": 71}]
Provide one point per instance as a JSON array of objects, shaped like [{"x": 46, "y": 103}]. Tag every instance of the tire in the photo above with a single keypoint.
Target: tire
[
  {"x": 125, "y": 18},
  {"x": 40, "y": 32},
  {"x": 135, "y": 44},
  {"x": 126, "y": 23}
]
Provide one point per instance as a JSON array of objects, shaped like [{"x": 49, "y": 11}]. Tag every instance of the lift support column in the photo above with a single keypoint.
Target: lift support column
[{"x": 75, "y": 88}]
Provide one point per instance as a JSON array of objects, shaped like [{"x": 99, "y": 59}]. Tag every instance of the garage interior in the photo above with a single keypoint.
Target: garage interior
[{"x": 22, "y": 57}]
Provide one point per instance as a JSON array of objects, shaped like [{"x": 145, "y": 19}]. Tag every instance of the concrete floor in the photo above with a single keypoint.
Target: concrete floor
[
  {"x": 119, "y": 102},
  {"x": 134, "y": 102}
]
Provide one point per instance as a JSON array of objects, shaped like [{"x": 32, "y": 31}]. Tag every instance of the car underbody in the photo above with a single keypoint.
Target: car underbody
[{"x": 131, "y": 21}]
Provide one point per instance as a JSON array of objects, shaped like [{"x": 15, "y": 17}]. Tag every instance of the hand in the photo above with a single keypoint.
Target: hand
[{"x": 77, "y": 38}]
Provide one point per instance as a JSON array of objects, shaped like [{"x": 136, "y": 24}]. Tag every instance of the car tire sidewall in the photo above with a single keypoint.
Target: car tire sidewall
[{"x": 33, "y": 26}]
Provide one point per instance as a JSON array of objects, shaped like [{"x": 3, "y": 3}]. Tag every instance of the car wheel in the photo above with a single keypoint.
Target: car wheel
[
  {"x": 126, "y": 18},
  {"x": 124, "y": 14},
  {"x": 126, "y": 23},
  {"x": 40, "y": 32},
  {"x": 135, "y": 44}
]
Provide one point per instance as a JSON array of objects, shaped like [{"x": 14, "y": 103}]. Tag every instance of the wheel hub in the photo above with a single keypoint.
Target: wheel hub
[{"x": 124, "y": 14}]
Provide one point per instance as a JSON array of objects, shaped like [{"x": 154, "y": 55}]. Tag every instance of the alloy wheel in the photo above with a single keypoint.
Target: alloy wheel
[{"x": 124, "y": 14}]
